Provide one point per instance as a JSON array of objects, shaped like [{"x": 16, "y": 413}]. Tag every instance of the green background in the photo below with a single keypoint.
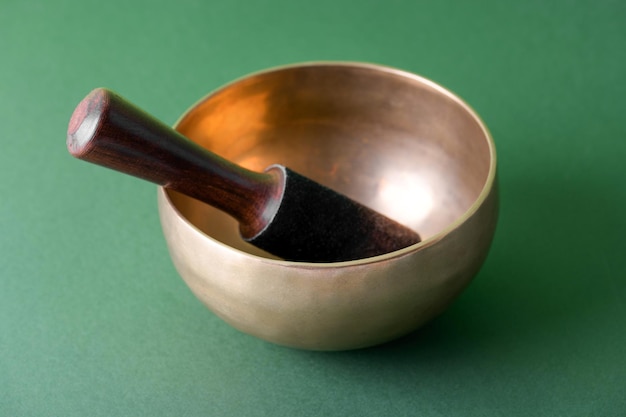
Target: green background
[{"x": 94, "y": 320}]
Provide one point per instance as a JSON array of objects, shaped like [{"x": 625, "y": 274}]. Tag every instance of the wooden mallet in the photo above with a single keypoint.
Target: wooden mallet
[{"x": 279, "y": 210}]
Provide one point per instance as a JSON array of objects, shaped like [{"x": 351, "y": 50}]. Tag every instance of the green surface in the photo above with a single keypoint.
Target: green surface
[{"x": 94, "y": 321}]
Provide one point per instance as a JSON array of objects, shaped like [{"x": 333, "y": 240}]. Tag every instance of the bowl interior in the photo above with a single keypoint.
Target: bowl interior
[{"x": 391, "y": 140}]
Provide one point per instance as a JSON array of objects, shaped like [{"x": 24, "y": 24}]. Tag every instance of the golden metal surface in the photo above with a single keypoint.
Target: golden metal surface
[{"x": 389, "y": 139}]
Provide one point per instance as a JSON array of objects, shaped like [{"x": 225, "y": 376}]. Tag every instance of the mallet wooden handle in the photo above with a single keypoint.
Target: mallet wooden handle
[{"x": 107, "y": 130}]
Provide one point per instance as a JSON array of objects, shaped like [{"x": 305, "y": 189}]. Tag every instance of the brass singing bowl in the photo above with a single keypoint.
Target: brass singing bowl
[{"x": 392, "y": 140}]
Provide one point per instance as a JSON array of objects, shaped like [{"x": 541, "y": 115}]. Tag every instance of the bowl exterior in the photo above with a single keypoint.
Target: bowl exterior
[{"x": 330, "y": 307}]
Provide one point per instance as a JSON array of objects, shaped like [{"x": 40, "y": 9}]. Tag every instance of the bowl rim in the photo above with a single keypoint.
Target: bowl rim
[{"x": 482, "y": 196}]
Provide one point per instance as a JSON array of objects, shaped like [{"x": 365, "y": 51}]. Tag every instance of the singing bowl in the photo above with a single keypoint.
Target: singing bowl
[{"x": 392, "y": 140}]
